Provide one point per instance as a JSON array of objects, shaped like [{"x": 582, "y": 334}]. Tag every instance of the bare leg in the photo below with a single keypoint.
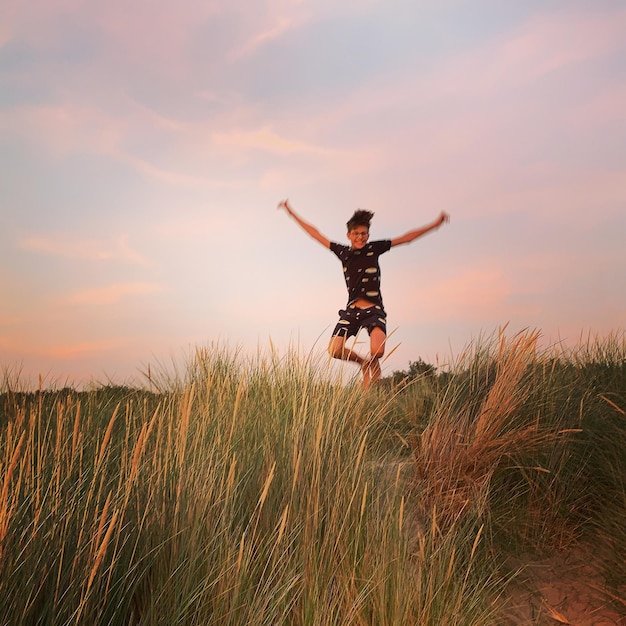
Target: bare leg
[
  {"x": 377, "y": 350},
  {"x": 370, "y": 367},
  {"x": 338, "y": 350}
]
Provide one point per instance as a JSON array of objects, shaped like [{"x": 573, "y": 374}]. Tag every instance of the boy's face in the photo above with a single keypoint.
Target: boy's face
[{"x": 358, "y": 236}]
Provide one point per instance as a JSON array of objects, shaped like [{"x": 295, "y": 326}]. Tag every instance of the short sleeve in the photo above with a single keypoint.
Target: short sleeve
[
  {"x": 381, "y": 246},
  {"x": 339, "y": 249}
]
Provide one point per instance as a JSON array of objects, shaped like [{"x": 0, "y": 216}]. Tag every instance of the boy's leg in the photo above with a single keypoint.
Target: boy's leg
[
  {"x": 338, "y": 350},
  {"x": 371, "y": 369}
]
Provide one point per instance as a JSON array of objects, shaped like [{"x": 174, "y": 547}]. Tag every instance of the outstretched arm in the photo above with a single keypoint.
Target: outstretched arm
[
  {"x": 412, "y": 235},
  {"x": 310, "y": 229}
]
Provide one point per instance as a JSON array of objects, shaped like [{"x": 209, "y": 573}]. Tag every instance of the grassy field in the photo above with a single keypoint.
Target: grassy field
[{"x": 259, "y": 492}]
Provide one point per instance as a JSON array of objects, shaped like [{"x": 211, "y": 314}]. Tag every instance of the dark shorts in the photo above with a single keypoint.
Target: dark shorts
[{"x": 352, "y": 319}]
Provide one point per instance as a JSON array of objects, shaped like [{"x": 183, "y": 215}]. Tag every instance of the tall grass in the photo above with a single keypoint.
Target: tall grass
[
  {"x": 531, "y": 445},
  {"x": 257, "y": 491},
  {"x": 248, "y": 493}
]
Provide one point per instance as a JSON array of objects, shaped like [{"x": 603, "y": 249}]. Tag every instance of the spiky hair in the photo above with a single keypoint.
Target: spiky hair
[{"x": 360, "y": 218}]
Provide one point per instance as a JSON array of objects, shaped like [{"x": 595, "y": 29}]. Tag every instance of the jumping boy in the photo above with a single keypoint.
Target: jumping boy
[{"x": 362, "y": 274}]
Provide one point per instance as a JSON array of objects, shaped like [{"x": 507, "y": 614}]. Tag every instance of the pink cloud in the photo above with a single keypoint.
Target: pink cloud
[
  {"x": 5, "y": 35},
  {"x": 601, "y": 109},
  {"x": 78, "y": 128},
  {"x": 483, "y": 156},
  {"x": 265, "y": 139},
  {"x": 75, "y": 128},
  {"x": 543, "y": 45},
  {"x": 557, "y": 40},
  {"x": 142, "y": 30},
  {"x": 170, "y": 177},
  {"x": 63, "y": 128},
  {"x": 281, "y": 26},
  {"x": 69, "y": 247},
  {"x": 111, "y": 294},
  {"x": 474, "y": 294},
  {"x": 274, "y": 18},
  {"x": 197, "y": 227},
  {"x": 86, "y": 348},
  {"x": 26, "y": 347},
  {"x": 559, "y": 194},
  {"x": 286, "y": 177}
]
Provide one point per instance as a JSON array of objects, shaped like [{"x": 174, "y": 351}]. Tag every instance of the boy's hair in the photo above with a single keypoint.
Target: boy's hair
[{"x": 360, "y": 218}]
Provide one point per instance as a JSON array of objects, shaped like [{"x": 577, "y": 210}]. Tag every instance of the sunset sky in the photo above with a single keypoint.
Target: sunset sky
[{"x": 145, "y": 144}]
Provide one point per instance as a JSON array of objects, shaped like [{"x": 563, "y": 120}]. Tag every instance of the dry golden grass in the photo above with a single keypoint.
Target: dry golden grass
[
  {"x": 462, "y": 446},
  {"x": 260, "y": 492}
]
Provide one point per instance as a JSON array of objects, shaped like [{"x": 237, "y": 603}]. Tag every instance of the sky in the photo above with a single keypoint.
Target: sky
[{"x": 144, "y": 146}]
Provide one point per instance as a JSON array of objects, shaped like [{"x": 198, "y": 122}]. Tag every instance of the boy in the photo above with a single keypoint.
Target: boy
[{"x": 362, "y": 274}]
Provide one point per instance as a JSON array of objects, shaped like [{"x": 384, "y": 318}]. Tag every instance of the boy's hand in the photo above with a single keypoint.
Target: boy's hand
[
  {"x": 284, "y": 204},
  {"x": 444, "y": 218}
]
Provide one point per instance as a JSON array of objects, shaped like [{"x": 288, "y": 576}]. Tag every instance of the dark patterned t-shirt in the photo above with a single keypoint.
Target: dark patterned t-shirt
[{"x": 361, "y": 269}]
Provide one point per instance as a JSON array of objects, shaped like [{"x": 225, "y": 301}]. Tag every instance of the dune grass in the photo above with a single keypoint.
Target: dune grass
[{"x": 257, "y": 491}]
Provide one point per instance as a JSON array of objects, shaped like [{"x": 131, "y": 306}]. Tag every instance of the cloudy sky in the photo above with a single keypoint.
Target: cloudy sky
[{"x": 145, "y": 144}]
